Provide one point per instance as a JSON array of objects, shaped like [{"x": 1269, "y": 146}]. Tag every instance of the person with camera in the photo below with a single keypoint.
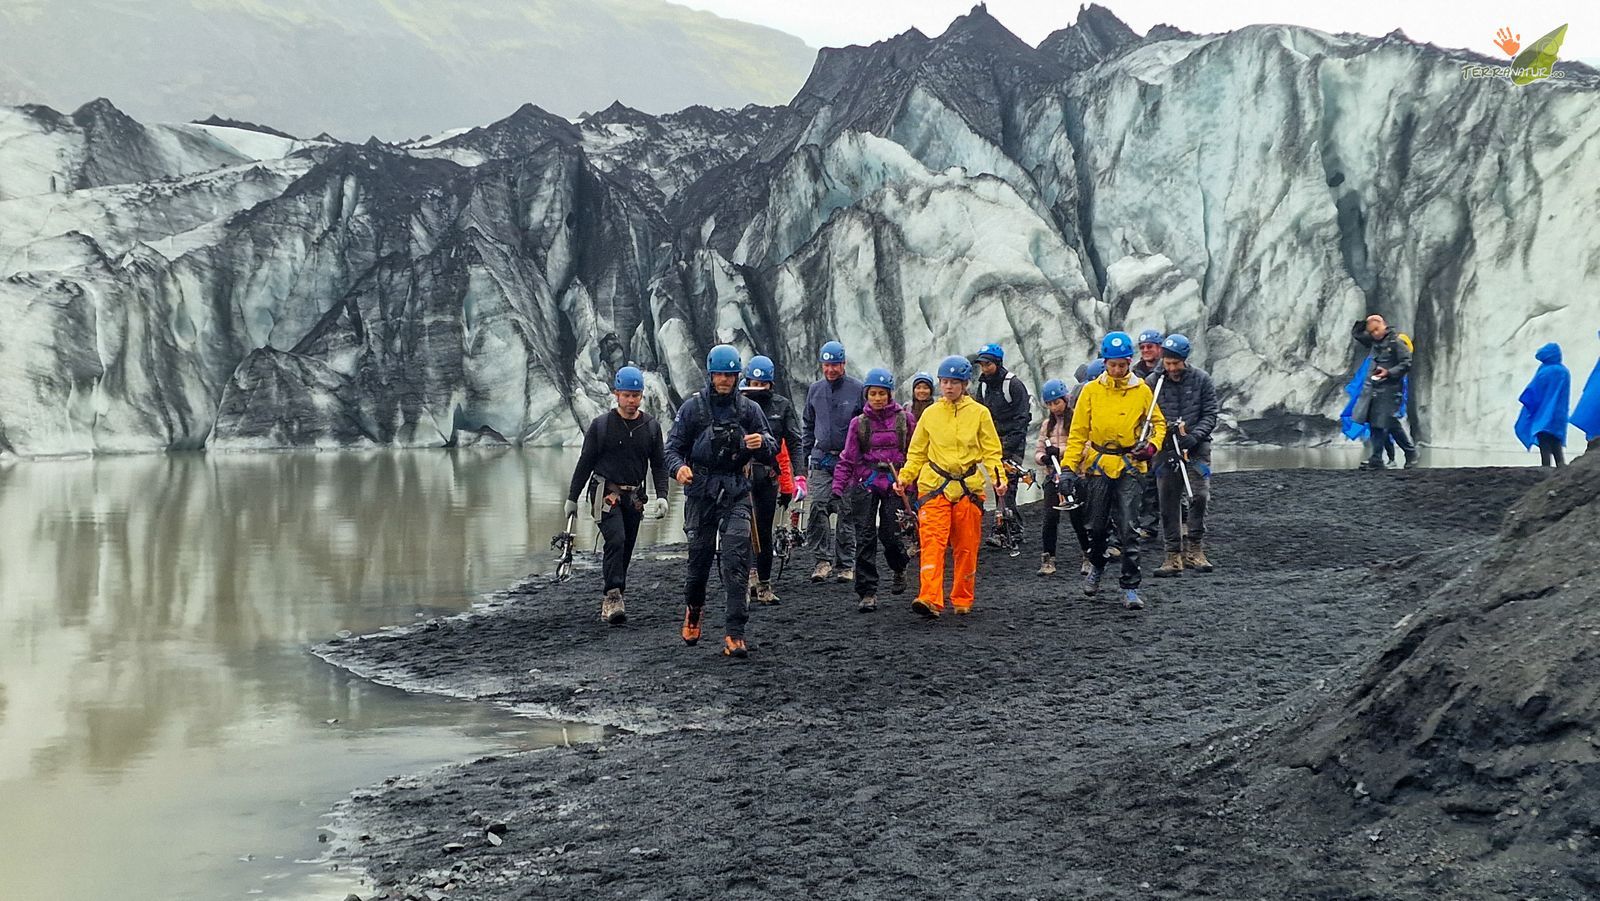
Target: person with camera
[
  {"x": 1058, "y": 488},
  {"x": 954, "y": 449},
  {"x": 716, "y": 435},
  {"x": 831, "y": 402},
  {"x": 618, "y": 447},
  {"x": 1189, "y": 403},
  {"x": 1116, "y": 429},
  {"x": 874, "y": 451},
  {"x": 1390, "y": 362},
  {"x": 771, "y": 487}
]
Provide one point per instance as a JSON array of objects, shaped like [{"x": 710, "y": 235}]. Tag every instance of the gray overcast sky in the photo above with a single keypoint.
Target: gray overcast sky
[{"x": 1448, "y": 23}]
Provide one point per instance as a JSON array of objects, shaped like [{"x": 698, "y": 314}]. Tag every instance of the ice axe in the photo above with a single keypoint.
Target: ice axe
[{"x": 563, "y": 543}]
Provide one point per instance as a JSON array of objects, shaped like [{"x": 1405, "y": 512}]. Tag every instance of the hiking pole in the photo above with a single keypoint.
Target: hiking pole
[
  {"x": 563, "y": 543},
  {"x": 1141, "y": 448},
  {"x": 1183, "y": 463}
]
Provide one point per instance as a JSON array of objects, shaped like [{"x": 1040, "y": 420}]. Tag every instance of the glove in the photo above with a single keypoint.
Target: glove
[
  {"x": 1144, "y": 453},
  {"x": 658, "y": 508},
  {"x": 1188, "y": 442},
  {"x": 785, "y": 499},
  {"x": 1053, "y": 452},
  {"x": 799, "y": 488},
  {"x": 570, "y": 508}
]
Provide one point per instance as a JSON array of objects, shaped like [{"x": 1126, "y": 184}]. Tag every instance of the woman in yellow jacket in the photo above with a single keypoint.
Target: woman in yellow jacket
[
  {"x": 953, "y": 449},
  {"x": 1104, "y": 447}
]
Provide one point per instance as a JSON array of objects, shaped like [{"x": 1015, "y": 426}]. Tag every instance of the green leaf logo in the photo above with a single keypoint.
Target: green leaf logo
[{"x": 1538, "y": 60}]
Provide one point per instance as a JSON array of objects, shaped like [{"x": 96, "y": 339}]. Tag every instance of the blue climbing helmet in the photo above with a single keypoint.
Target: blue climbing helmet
[
  {"x": 992, "y": 352},
  {"x": 955, "y": 368},
  {"x": 723, "y": 358},
  {"x": 923, "y": 377},
  {"x": 1116, "y": 346},
  {"x": 832, "y": 352},
  {"x": 1094, "y": 370},
  {"x": 760, "y": 369},
  {"x": 1150, "y": 336},
  {"x": 628, "y": 378},
  {"x": 879, "y": 378},
  {"x": 1055, "y": 389},
  {"x": 1176, "y": 345}
]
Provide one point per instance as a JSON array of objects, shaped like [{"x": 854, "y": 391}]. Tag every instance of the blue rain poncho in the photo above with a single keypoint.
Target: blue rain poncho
[{"x": 1546, "y": 399}]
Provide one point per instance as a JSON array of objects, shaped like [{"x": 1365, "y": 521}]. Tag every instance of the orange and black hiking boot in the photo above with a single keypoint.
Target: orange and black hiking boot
[
  {"x": 691, "y": 625},
  {"x": 734, "y": 647}
]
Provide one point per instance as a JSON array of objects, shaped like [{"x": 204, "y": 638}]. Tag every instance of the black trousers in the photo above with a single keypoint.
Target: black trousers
[
  {"x": 1052, "y": 520},
  {"x": 764, "y": 496},
  {"x": 705, "y": 519},
  {"x": 619, "y": 526},
  {"x": 1152, "y": 509},
  {"x": 875, "y": 522},
  {"x": 1115, "y": 502},
  {"x": 1550, "y": 450},
  {"x": 1169, "y": 487}
]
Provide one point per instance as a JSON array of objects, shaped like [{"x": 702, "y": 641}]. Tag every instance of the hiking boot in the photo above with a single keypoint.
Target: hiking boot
[
  {"x": 823, "y": 571},
  {"x": 961, "y": 610},
  {"x": 898, "y": 586},
  {"x": 611, "y": 608},
  {"x": 994, "y": 540},
  {"x": 1194, "y": 557},
  {"x": 923, "y": 608},
  {"x": 1091, "y": 582},
  {"x": 764, "y": 594},
  {"x": 734, "y": 647},
  {"x": 1375, "y": 466},
  {"x": 1113, "y": 553},
  {"x": 1047, "y": 564},
  {"x": 1146, "y": 534},
  {"x": 1131, "y": 599},
  {"x": 869, "y": 604},
  {"x": 691, "y": 625},
  {"x": 1365, "y": 465},
  {"x": 1085, "y": 566},
  {"x": 1172, "y": 567},
  {"x": 1412, "y": 460},
  {"x": 845, "y": 575}
]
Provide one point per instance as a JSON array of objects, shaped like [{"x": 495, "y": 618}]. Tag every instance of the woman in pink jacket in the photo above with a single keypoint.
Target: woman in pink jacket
[{"x": 874, "y": 450}]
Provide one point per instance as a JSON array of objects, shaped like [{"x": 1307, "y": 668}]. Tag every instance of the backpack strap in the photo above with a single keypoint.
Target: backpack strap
[{"x": 1005, "y": 386}]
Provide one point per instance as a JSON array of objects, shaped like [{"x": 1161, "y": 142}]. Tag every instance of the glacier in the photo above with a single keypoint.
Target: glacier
[{"x": 224, "y": 285}]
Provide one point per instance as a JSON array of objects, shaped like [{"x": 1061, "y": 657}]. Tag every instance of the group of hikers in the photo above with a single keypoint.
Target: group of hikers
[{"x": 1124, "y": 451}]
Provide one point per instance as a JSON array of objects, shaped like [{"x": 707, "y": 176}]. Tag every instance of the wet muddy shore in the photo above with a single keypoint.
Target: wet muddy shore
[{"x": 1049, "y": 745}]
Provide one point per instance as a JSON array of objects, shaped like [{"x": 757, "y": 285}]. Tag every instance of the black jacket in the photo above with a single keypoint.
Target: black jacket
[
  {"x": 619, "y": 450},
  {"x": 1389, "y": 353},
  {"x": 1011, "y": 407},
  {"x": 694, "y": 443},
  {"x": 1192, "y": 399}
]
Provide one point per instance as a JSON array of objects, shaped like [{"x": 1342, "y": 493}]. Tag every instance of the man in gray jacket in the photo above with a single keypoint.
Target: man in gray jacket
[
  {"x": 831, "y": 402},
  {"x": 1189, "y": 402},
  {"x": 1391, "y": 362}
]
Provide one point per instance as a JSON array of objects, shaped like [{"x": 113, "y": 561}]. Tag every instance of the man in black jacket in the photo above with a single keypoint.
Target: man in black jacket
[
  {"x": 1188, "y": 400},
  {"x": 1391, "y": 361},
  {"x": 1012, "y": 410},
  {"x": 617, "y": 448},
  {"x": 766, "y": 490},
  {"x": 715, "y": 435}
]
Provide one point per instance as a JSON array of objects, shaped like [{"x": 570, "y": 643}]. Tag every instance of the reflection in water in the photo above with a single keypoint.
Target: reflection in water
[{"x": 159, "y": 715}]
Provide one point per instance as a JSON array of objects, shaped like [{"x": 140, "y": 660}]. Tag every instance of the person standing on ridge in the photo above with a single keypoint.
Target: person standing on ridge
[
  {"x": 618, "y": 446},
  {"x": 715, "y": 436},
  {"x": 1390, "y": 364},
  {"x": 1586, "y": 415},
  {"x": 769, "y": 485},
  {"x": 831, "y": 402},
  {"x": 921, "y": 393},
  {"x": 1543, "y": 420},
  {"x": 1052, "y": 441},
  {"x": 953, "y": 450},
  {"x": 873, "y": 453},
  {"x": 1106, "y": 446},
  {"x": 1189, "y": 403},
  {"x": 1011, "y": 408}
]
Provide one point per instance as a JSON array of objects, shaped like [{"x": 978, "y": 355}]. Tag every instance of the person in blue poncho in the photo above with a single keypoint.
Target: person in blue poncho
[
  {"x": 1586, "y": 415},
  {"x": 1544, "y": 407}
]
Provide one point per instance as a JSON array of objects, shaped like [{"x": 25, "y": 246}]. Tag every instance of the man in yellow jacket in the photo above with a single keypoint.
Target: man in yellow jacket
[
  {"x": 1111, "y": 444},
  {"x": 954, "y": 448}
]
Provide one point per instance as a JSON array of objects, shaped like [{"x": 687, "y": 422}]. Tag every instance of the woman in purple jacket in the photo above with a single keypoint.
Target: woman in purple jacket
[{"x": 874, "y": 450}]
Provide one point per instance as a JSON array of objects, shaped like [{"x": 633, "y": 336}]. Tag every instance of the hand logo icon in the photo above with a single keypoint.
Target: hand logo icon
[{"x": 1507, "y": 41}]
